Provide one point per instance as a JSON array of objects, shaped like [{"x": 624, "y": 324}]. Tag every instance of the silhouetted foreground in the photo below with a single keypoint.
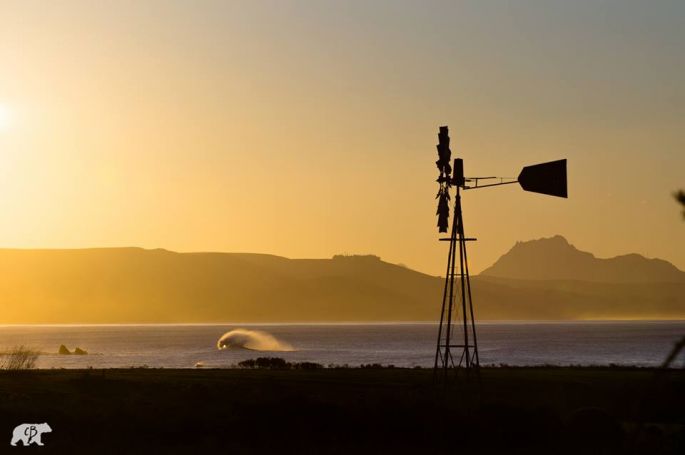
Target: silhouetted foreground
[{"x": 521, "y": 410}]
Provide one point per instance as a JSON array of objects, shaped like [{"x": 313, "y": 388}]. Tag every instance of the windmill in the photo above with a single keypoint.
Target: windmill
[{"x": 457, "y": 345}]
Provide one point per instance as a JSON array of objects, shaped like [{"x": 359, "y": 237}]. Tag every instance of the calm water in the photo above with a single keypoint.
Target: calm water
[{"x": 182, "y": 346}]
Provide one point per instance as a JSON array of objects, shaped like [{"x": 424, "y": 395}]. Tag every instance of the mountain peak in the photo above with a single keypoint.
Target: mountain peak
[
  {"x": 555, "y": 240},
  {"x": 554, "y": 258}
]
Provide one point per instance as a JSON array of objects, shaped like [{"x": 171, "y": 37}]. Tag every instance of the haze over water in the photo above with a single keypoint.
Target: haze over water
[{"x": 640, "y": 343}]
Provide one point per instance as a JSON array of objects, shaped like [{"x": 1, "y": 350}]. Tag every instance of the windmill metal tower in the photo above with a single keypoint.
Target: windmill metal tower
[{"x": 457, "y": 346}]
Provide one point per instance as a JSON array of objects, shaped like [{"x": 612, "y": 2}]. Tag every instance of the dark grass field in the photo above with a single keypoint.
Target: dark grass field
[{"x": 513, "y": 410}]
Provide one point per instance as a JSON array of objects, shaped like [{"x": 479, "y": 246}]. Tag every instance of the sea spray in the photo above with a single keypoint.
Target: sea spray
[{"x": 255, "y": 340}]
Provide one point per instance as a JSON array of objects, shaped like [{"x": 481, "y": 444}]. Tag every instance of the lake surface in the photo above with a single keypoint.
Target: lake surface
[{"x": 642, "y": 343}]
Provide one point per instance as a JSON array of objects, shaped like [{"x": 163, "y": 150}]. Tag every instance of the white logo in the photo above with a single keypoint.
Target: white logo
[{"x": 28, "y": 433}]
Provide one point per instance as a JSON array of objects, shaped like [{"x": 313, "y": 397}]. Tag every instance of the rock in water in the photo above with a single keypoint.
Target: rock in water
[
  {"x": 79, "y": 351},
  {"x": 63, "y": 350}
]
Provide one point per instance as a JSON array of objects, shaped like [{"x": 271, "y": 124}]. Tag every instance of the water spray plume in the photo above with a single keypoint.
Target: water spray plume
[{"x": 254, "y": 340}]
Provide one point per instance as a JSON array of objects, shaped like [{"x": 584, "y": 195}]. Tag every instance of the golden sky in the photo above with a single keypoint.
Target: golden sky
[{"x": 307, "y": 129}]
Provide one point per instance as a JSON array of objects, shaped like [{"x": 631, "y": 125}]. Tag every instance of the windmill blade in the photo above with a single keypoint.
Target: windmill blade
[
  {"x": 444, "y": 152},
  {"x": 545, "y": 178}
]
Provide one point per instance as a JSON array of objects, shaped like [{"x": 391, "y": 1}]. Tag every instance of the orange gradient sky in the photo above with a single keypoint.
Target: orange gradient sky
[{"x": 307, "y": 129}]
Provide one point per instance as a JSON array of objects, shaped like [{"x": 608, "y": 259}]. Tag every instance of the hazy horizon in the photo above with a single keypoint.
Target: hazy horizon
[{"x": 133, "y": 285}]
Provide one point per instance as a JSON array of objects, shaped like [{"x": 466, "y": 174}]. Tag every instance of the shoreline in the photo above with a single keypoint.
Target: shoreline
[{"x": 341, "y": 323}]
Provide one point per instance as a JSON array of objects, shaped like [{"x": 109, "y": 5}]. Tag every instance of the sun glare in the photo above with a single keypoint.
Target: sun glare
[{"x": 5, "y": 118}]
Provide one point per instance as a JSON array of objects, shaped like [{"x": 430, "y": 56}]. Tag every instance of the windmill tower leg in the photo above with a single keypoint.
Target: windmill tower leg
[
  {"x": 442, "y": 352},
  {"x": 456, "y": 316}
]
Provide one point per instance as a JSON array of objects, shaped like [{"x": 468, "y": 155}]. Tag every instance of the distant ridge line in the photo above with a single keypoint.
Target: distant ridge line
[{"x": 554, "y": 258}]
